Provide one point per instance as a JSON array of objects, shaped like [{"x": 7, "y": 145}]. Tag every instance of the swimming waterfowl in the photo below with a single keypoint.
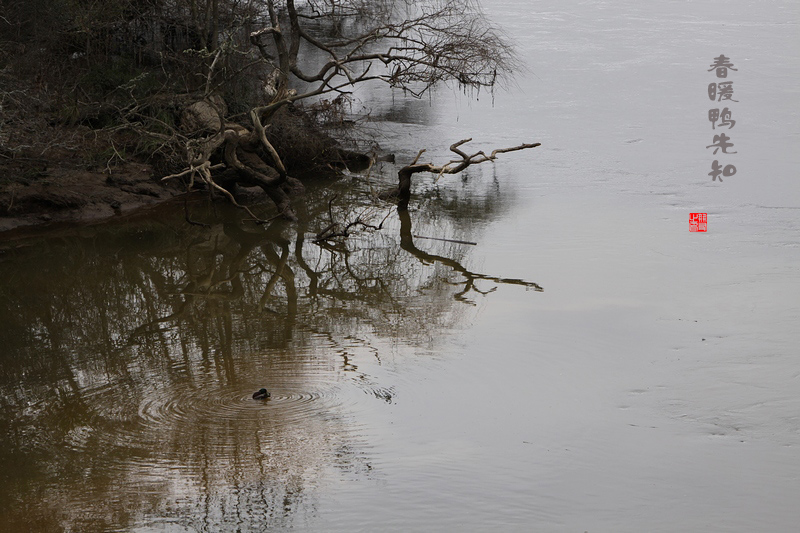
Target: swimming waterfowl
[{"x": 261, "y": 394}]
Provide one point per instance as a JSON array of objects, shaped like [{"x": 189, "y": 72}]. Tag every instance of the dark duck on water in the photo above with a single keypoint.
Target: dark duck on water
[{"x": 261, "y": 394}]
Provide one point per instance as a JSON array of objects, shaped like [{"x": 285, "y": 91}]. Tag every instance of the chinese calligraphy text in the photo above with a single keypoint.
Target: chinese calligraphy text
[{"x": 718, "y": 92}]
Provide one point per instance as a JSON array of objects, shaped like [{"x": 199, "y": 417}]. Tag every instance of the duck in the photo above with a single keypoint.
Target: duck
[{"x": 261, "y": 394}]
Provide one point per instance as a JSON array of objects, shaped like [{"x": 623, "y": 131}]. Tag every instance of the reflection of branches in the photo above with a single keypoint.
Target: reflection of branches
[
  {"x": 198, "y": 297},
  {"x": 150, "y": 327},
  {"x": 363, "y": 219},
  {"x": 407, "y": 244},
  {"x": 284, "y": 272},
  {"x": 238, "y": 261}
]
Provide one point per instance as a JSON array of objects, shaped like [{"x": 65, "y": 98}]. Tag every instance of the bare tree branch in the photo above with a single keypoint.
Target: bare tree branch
[{"x": 403, "y": 192}]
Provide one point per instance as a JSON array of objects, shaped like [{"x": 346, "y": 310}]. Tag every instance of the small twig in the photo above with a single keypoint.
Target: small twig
[
  {"x": 325, "y": 233},
  {"x": 445, "y": 240},
  {"x": 110, "y": 159},
  {"x": 11, "y": 203},
  {"x": 192, "y": 170},
  {"x": 330, "y": 207},
  {"x": 227, "y": 193},
  {"x": 211, "y": 71},
  {"x": 261, "y": 221},
  {"x": 414, "y": 162}
]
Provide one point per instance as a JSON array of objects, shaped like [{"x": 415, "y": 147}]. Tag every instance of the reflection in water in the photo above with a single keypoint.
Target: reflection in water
[
  {"x": 407, "y": 243},
  {"x": 131, "y": 354}
]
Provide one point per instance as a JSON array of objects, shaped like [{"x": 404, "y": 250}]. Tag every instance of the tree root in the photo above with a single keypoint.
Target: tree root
[{"x": 239, "y": 147}]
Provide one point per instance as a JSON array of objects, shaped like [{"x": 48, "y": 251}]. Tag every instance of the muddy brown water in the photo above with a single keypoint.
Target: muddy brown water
[{"x": 589, "y": 365}]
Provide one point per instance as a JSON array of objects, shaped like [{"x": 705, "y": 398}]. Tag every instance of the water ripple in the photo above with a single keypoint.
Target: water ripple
[{"x": 216, "y": 407}]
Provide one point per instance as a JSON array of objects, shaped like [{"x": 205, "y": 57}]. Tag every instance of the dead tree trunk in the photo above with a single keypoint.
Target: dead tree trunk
[{"x": 403, "y": 191}]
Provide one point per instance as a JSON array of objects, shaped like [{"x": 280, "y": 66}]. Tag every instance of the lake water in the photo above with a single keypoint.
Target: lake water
[{"x": 589, "y": 365}]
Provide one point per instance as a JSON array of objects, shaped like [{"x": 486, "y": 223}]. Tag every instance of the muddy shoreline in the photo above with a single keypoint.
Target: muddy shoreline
[{"x": 72, "y": 196}]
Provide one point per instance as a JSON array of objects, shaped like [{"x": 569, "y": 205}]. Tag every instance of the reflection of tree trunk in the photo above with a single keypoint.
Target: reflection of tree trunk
[
  {"x": 407, "y": 244},
  {"x": 223, "y": 355},
  {"x": 284, "y": 272},
  {"x": 404, "y": 189},
  {"x": 208, "y": 284},
  {"x": 57, "y": 349},
  {"x": 313, "y": 277}
]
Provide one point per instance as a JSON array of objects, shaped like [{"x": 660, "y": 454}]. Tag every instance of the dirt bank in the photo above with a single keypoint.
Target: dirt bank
[{"x": 53, "y": 195}]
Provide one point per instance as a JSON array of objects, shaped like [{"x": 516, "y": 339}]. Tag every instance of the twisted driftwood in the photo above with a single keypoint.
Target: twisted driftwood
[{"x": 403, "y": 190}]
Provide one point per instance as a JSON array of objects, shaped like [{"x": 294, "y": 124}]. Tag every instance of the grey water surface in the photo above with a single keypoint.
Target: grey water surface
[{"x": 589, "y": 365}]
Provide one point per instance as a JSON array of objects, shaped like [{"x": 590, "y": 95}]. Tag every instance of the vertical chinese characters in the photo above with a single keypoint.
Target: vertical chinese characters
[{"x": 721, "y": 91}]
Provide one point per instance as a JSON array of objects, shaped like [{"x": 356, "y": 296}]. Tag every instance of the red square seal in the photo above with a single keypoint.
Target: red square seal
[{"x": 698, "y": 221}]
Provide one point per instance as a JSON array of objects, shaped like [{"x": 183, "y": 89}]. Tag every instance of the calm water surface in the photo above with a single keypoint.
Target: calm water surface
[{"x": 589, "y": 365}]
